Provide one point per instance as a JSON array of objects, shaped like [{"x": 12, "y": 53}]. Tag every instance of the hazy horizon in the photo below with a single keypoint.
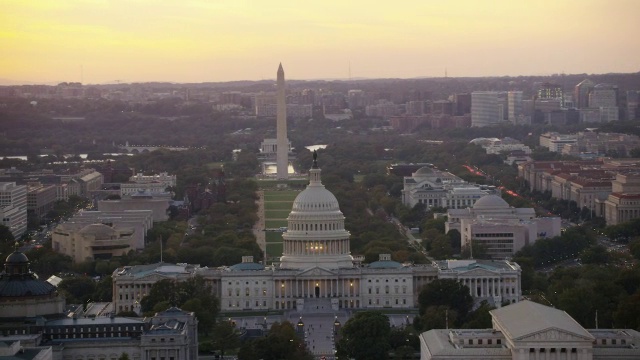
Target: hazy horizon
[{"x": 195, "y": 41}]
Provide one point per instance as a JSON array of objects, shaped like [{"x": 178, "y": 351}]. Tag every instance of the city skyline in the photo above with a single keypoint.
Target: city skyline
[{"x": 97, "y": 42}]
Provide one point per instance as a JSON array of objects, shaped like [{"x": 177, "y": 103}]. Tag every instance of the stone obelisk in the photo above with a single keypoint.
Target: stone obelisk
[{"x": 282, "y": 154}]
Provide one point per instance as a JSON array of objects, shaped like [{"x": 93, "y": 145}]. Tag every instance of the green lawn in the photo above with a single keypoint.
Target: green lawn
[
  {"x": 284, "y": 205},
  {"x": 274, "y": 249},
  {"x": 276, "y": 214},
  {"x": 273, "y": 237},
  {"x": 272, "y": 184},
  {"x": 280, "y": 195},
  {"x": 275, "y": 223}
]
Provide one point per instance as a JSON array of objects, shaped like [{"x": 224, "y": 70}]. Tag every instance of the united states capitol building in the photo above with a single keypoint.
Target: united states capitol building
[{"x": 317, "y": 271}]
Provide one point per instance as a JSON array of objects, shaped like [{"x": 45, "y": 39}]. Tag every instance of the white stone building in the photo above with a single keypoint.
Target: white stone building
[
  {"x": 556, "y": 142},
  {"x": 530, "y": 331},
  {"x": 501, "y": 229},
  {"x": 436, "y": 188}
]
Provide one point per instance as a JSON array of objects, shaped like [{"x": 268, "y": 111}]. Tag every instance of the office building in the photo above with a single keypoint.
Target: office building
[
  {"x": 486, "y": 109},
  {"x": 514, "y": 103},
  {"x": 13, "y": 207},
  {"x": 581, "y": 93}
]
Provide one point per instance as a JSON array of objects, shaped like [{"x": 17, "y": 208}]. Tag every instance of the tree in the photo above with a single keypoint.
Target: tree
[
  {"x": 627, "y": 316},
  {"x": 446, "y": 292},
  {"x": 436, "y": 317},
  {"x": 124, "y": 356},
  {"x": 163, "y": 290},
  {"x": 596, "y": 254},
  {"x": 225, "y": 336},
  {"x": 480, "y": 317},
  {"x": 441, "y": 248},
  {"x": 5, "y": 235},
  {"x": 78, "y": 290},
  {"x": 365, "y": 337},
  {"x": 281, "y": 343}
]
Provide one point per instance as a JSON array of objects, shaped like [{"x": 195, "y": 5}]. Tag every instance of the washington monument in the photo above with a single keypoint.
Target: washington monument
[{"x": 282, "y": 154}]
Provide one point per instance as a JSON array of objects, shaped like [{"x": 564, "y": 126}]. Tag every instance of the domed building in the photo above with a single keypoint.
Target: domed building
[
  {"x": 436, "y": 188},
  {"x": 501, "y": 229},
  {"x": 22, "y": 294},
  {"x": 316, "y": 236},
  {"x": 317, "y": 272}
]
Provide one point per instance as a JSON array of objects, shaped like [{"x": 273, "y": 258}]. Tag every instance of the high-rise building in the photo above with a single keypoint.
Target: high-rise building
[
  {"x": 605, "y": 98},
  {"x": 633, "y": 99},
  {"x": 549, "y": 91},
  {"x": 581, "y": 93},
  {"x": 355, "y": 99},
  {"x": 13, "y": 207},
  {"x": 486, "y": 108},
  {"x": 282, "y": 157},
  {"x": 461, "y": 104},
  {"x": 514, "y": 104}
]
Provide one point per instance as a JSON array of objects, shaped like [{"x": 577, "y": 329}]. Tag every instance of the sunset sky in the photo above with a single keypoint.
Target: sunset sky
[{"x": 103, "y": 41}]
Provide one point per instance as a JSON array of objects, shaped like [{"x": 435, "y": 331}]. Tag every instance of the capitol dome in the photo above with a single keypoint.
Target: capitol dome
[
  {"x": 315, "y": 235},
  {"x": 491, "y": 202},
  {"x": 316, "y": 198}
]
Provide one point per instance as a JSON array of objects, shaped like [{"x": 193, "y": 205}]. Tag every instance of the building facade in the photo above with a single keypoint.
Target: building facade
[
  {"x": 93, "y": 242},
  {"x": 40, "y": 199},
  {"x": 530, "y": 331},
  {"x": 486, "y": 109},
  {"x": 13, "y": 207},
  {"x": 500, "y": 229},
  {"x": 436, "y": 188},
  {"x": 32, "y": 313}
]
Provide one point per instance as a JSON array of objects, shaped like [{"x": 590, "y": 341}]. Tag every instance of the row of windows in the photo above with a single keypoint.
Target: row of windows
[
  {"x": 387, "y": 280},
  {"x": 494, "y": 235},
  {"x": 247, "y": 292},
  {"x": 247, "y": 304},
  {"x": 480, "y": 341},
  {"x": 488, "y": 242},
  {"x": 162, "y": 339},
  {"x": 59, "y": 330},
  {"x": 247, "y": 283},
  {"x": 387, "y": 302},
  {"x": 386, "y": 290},
  {"x": 314, "y": 227}
]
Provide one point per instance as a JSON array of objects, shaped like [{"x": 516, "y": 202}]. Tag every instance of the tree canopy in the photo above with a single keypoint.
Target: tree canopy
[{"x": 365, "y": 336}]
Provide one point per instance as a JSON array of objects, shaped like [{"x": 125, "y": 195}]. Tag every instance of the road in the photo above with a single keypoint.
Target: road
[{"x": 414, "y": 242}]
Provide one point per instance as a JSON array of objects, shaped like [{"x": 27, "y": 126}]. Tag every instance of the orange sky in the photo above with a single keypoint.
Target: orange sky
[{"x": 101, "y": 41}]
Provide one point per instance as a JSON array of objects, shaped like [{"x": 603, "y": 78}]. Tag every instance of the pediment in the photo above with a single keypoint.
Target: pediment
[
  {"x": 553, "y": 334},
  {"x": 316, "y": 271},
  {"x": 153, "y": 277},
  {"x": 476, "y": 273}
]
